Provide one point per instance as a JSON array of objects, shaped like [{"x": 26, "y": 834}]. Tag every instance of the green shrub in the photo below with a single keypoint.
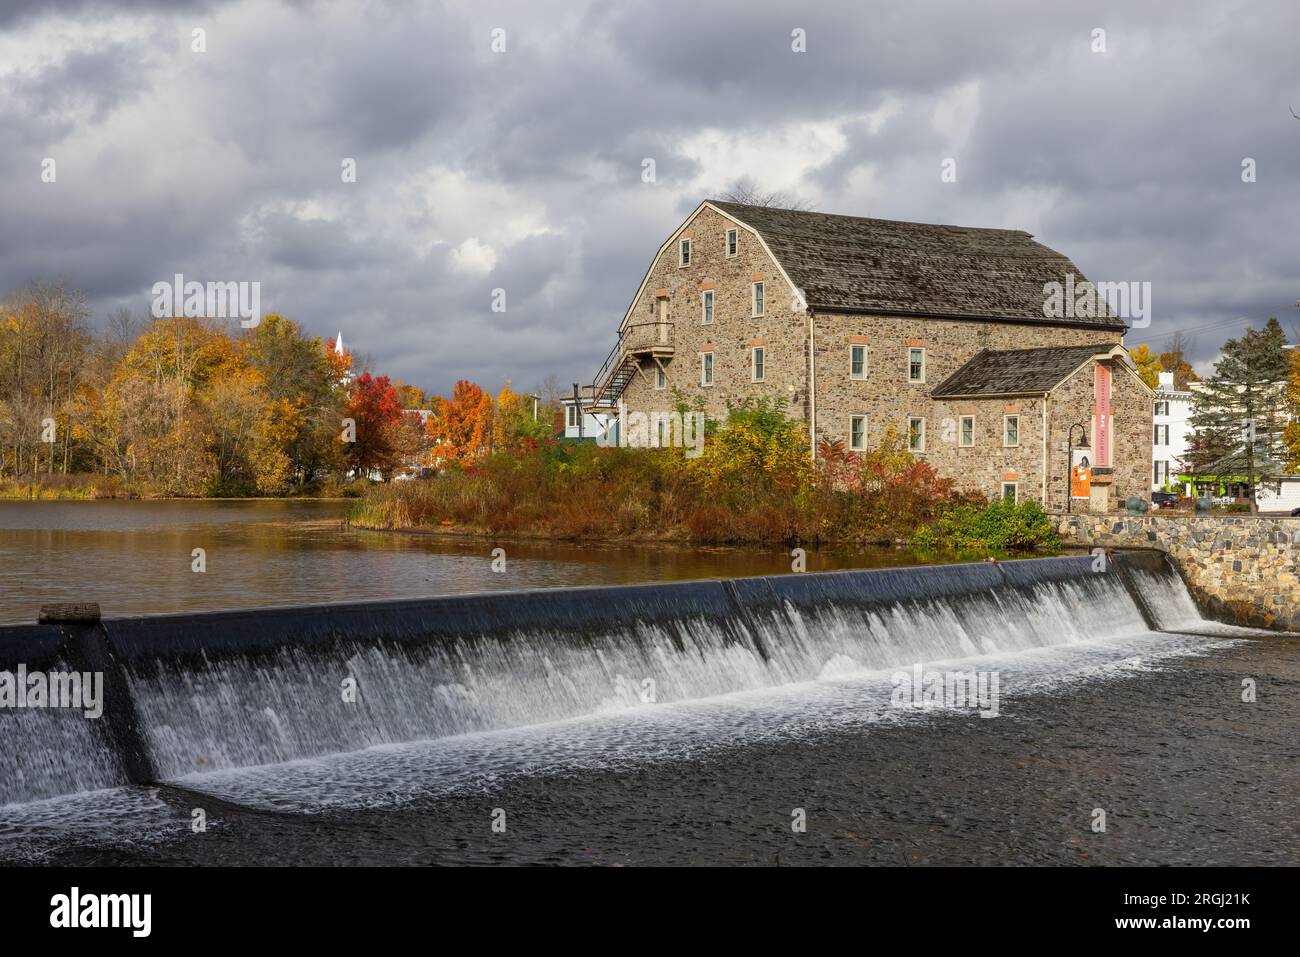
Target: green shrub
[{"x": 1000, "y": 526}]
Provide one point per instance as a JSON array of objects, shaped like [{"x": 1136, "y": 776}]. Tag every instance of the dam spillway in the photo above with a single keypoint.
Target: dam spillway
[{"x": 218, "y": 691}]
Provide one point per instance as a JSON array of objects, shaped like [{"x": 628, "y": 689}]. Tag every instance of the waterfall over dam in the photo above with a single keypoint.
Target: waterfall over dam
[{"x": 191, "y": 694}]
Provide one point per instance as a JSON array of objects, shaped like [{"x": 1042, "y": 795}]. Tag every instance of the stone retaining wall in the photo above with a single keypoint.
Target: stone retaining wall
[{"x": 1239, "y": 569}]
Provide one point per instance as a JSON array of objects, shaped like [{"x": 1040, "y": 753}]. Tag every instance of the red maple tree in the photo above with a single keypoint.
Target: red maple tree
[{"x": 373, "y": 407}]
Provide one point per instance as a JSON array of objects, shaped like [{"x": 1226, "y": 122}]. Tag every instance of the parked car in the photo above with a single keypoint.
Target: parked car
[
  {"x": 1164, "y": 499},
  {"x": 1295, "y": 512}
]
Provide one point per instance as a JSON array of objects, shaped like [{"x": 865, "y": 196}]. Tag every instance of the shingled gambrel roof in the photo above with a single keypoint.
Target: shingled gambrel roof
[
  {"x": 892, "y": 267},
  {"x": 1019, "y": 371}
]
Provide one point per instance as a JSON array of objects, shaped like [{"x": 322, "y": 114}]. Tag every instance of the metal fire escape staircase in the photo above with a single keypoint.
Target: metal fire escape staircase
[{"x": 636, "y": 343}]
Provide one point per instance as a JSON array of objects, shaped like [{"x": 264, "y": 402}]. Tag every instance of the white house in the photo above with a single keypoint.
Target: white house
[
  {"x": 593, "y": 424},
  {"x": 1170, "y": 432}
]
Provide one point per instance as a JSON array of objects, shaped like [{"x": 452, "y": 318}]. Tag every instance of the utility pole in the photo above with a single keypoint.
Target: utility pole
[{"x": 577, "y": 404}]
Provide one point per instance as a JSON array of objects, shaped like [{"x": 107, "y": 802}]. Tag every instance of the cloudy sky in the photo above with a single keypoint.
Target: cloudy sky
[{"x": 521, "y": 169}]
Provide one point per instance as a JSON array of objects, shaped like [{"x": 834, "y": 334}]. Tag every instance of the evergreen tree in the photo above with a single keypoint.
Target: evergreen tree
[{"x": 1241, "y": 412}]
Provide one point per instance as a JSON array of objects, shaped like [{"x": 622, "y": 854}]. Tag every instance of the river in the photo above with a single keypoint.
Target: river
[
  {"x": 682, "y": 724},
  {"x": 135, "y": 557}
]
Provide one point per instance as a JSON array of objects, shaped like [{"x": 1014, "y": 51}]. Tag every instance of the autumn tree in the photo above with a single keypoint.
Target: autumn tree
[
  {"x": 461, "y": 426},
  {"x": 411, "y": 397},
  {"x": 1291, "y": 433},
  {"x": 188, "y": 406},
  {"x": 373, "y": 407},
  {"x": 1174, "y": 360},
  {"x": 407, "y": 442},
  {"x": 1147, "y": 363},
  {"x": 306, "y": 387},
  {"x": 44, "y": 340},
  {"x": 513, "y": 424},
  {"x": 158, "y": 405}
]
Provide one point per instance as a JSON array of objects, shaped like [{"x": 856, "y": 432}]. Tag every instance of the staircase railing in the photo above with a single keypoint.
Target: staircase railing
[{"x": 633, "y": 338}]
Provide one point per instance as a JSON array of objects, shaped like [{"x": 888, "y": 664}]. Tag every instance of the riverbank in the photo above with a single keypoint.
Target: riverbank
[
  {"x": 581, "y": 493},
  {"x": 88, "y": 487}
]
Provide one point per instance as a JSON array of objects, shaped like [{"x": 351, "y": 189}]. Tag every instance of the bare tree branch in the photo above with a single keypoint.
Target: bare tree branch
[{"x": 746, "y": 192}]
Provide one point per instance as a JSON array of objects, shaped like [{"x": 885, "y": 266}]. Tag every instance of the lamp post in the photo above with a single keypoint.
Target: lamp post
[{"x": 1069, "y": 460}]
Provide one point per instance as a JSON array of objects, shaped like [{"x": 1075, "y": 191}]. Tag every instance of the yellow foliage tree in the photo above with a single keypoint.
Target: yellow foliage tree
[
  {"x": 1148, "y": 364},
  {"x": 1291, "y": 433},
  {"x": 759, "y": 447}
]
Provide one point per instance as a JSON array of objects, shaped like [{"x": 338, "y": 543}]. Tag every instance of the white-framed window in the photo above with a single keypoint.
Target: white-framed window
[
  {"x": 661, "y": 378},
  {"x": 966, "y": 431},
  {"x": 1162, "y": 407},
  {"x": 758, "y": 299},
  {"x": 1010, "y": 431},
  {"x": 732, "y": 242},
  {"x": 661, "y": 429},
  {"x": 1162, "y": 435},
  {"x": 858, "y": 433},
  {"x": 685, "y": 247},
  {"x": 857, "y": 362},
  {"x": 706, "y": 303},
  {"x": 1159, "y": 472},
  {"x": 915, "y": 365},
  {"x": 1011, "y": 492},
  {"x": 757, "y": 355},
  {"x": 916, "y": 434},
  {"x": 573, "y": 416},
  {"x": 706, "y": 368}
]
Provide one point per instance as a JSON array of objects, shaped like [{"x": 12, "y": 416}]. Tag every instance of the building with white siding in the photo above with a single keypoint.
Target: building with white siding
[{"x": 1170, "y": 431}]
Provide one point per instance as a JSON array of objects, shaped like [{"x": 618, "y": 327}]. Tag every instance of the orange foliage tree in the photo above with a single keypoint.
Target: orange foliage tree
[{"x": 460, "y": 426}]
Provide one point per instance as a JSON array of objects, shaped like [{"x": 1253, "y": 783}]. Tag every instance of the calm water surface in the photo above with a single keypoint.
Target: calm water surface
[{"x": 135, "y": 557}]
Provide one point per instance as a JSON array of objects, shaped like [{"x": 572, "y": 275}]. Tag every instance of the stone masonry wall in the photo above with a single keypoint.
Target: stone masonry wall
[
  {"x": 782, "y": 330},
  {"x": 888, "y": 399},
  {"x": 884, "y": 394},
  {"x": 1239, "y": 569},
  {"x": 1073, "y": 402}
]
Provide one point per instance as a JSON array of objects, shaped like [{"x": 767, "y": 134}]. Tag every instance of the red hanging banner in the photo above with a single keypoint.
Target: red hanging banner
[{"x": 1101, "y": 413}]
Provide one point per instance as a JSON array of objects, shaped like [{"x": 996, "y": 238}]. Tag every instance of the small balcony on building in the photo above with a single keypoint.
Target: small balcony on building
[{"x": 636, "y": 344}]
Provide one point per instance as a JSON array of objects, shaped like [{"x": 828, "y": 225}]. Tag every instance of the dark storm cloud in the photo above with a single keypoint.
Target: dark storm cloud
[
  {"x": 522, "y": 170},
  {"x": 16, "y": 12}
]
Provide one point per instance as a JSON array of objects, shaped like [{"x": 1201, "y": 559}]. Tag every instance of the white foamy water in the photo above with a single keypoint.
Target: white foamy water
[
  {"x": 239, "y": 712},
  {"x": 847, "y": 697},
  {"x": 45, "y": 752},
  {"x": 112, "y": 817},
  {"x": 396, "y": 774},
  {"x": 435, "y": 715}
]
